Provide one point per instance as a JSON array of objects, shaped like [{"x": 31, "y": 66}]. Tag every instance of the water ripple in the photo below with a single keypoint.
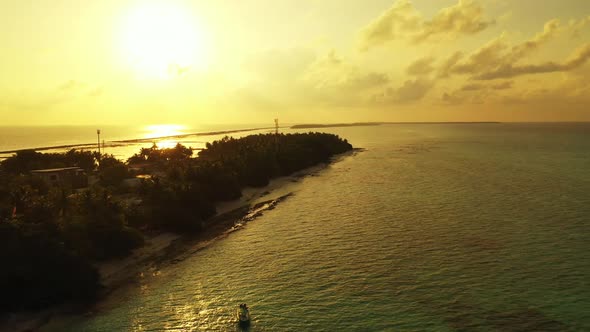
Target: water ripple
[{"x": 430, "y": 229}]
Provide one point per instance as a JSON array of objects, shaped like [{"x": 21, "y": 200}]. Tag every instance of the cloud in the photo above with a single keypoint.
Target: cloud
[
  {"x": 550, "y": 30},
  {"x": 497, "y": 59},
  {"x": 488, "y": 56},
  {"x": 413, "y": 90},
  {"x": 401, "y": 18},
  {"x": 410, "y": 91},
  {"x": 333, "y": 72},
  {"x": 577, "y": 26},
  {"x": 472, "y": 87},
  {"x": 403, "y": 22},
  {"x": 421, "y": 67},
  {"x": 481, "y": 87},
  {"x": 478, "y": 93},
  {"x": 444, "y": 70},
  {"x": 466, "y": 17},
  {"x": 491, "y": 69},
  {"x": 469, "y": 94},
  {"x": 572, "y": 90},
  {"x": 357, "y": 79},
  {"x": 451, "y": 98},
  {"x": 302, "y": 78},
  {"x": 576, "y": 60},
  {"x": 502, "y": 85},
  {"x": 454, "y": 98},
  {"x": 330, "y": 80}
]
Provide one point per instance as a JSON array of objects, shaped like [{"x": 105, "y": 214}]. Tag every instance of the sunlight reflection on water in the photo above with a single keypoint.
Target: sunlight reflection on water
[
  {"x": 163, "y": 130},
  {"x": 440, "y": 228}
]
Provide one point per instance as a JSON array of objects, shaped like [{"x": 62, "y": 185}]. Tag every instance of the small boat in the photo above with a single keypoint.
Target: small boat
[{"x": 243, "y": 314}]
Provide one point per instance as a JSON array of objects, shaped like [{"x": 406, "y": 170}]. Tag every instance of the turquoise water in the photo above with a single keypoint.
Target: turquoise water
[{"x": 431, "y": 228}]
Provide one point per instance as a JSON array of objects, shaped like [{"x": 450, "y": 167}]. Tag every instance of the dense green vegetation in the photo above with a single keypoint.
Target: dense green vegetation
[
  {"x": 51, "y": 236},
  {"x": 26, "y": 160}
]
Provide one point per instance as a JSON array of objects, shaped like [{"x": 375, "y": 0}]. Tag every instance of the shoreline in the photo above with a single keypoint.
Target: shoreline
[
  {"x": 133, "y": 140},
  {"x": 168, "y": 248},
  {"x": 164, "y": 249}
]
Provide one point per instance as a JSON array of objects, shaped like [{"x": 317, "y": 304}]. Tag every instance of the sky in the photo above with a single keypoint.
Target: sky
[{"x": 71, "y": 62}]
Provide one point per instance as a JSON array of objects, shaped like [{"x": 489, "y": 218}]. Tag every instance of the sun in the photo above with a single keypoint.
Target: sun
[{"x": 162, "y": 40}]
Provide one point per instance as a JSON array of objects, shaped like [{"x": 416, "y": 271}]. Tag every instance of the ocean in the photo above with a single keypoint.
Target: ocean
[
  {"x": 432, "y": 227},
  {"x": 120, "y": 141}
]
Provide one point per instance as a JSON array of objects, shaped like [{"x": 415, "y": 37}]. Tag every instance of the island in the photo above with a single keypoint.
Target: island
[{"x": 62, "y": 215}]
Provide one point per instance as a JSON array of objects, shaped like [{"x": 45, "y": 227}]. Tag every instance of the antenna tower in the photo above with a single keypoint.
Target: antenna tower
[{"x": 98, "y": 134}]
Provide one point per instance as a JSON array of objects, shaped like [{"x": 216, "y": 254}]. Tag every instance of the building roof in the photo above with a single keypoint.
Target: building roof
[{"x": 53, "y": 170}]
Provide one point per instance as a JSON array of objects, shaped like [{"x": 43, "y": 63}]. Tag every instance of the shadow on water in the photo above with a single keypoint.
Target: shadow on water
[{"x": 241, "y": 328}]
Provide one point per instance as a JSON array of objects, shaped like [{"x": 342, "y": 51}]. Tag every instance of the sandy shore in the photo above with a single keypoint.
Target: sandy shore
[{"x": 168, "y": 248}]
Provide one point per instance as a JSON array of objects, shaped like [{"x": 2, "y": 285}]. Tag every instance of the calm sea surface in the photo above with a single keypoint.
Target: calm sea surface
[
  {"x": 432, "y": 228},
  {"x": 114, "y": 139}
]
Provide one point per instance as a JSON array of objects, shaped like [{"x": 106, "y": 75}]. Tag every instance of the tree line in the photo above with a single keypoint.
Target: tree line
[{"x": 52, "y": 236}]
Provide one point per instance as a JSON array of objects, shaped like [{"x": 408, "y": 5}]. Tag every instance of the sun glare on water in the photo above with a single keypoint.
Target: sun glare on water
[
  {"x": 164, "y": 131},
  {"x": 163, "y": 40}
]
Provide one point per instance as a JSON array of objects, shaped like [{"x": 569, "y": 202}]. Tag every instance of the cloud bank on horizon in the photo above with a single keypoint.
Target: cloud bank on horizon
[{"x": 331, "y": 61}]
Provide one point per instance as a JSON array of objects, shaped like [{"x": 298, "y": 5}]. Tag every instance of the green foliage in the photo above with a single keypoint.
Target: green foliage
[
  {"x": 257, "y": 158},
  {"x": 26, "y": 160},
  {"x": 83, "y": 159},
  {"x": 38, "y": 270},
  {"x": 47, "y": 247},
  {"x": 218, "y": 182},
  {"x": 155, "y": 155},
  {"x": 186, "y": 196},
  {"x": 180, "y": 208},
  {"x": 25, "y": 193},
  {"x": 97, "y": 228},
  {"x": 112, "y": 171}
]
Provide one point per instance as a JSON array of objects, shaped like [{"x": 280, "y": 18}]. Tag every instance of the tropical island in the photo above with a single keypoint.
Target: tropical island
[{"x": 54, "y": 230}]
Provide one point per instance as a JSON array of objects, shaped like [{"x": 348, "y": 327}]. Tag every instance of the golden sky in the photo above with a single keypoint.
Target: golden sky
[{"x": 249, "y": 61}]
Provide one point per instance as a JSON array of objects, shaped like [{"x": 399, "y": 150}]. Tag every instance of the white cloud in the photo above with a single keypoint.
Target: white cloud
[{"x": 403, "y": 22}]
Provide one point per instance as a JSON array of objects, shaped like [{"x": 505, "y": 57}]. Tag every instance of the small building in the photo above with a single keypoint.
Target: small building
[{"x": 71, "y": 177}]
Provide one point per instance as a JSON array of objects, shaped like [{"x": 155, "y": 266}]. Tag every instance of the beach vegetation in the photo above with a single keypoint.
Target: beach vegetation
[{"x": 52, "y": 237}]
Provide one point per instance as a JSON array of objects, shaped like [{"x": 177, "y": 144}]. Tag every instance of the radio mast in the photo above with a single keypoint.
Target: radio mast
[{"x": 98, "y": 134}]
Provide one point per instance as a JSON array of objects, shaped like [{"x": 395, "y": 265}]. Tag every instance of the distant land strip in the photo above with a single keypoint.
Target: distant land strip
[
  {"x": 362, "y": 124},
  {"x": 150, "y": 139},
  {"x": 136, "y": 140},
  {"x": 328, "y": 125}
]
